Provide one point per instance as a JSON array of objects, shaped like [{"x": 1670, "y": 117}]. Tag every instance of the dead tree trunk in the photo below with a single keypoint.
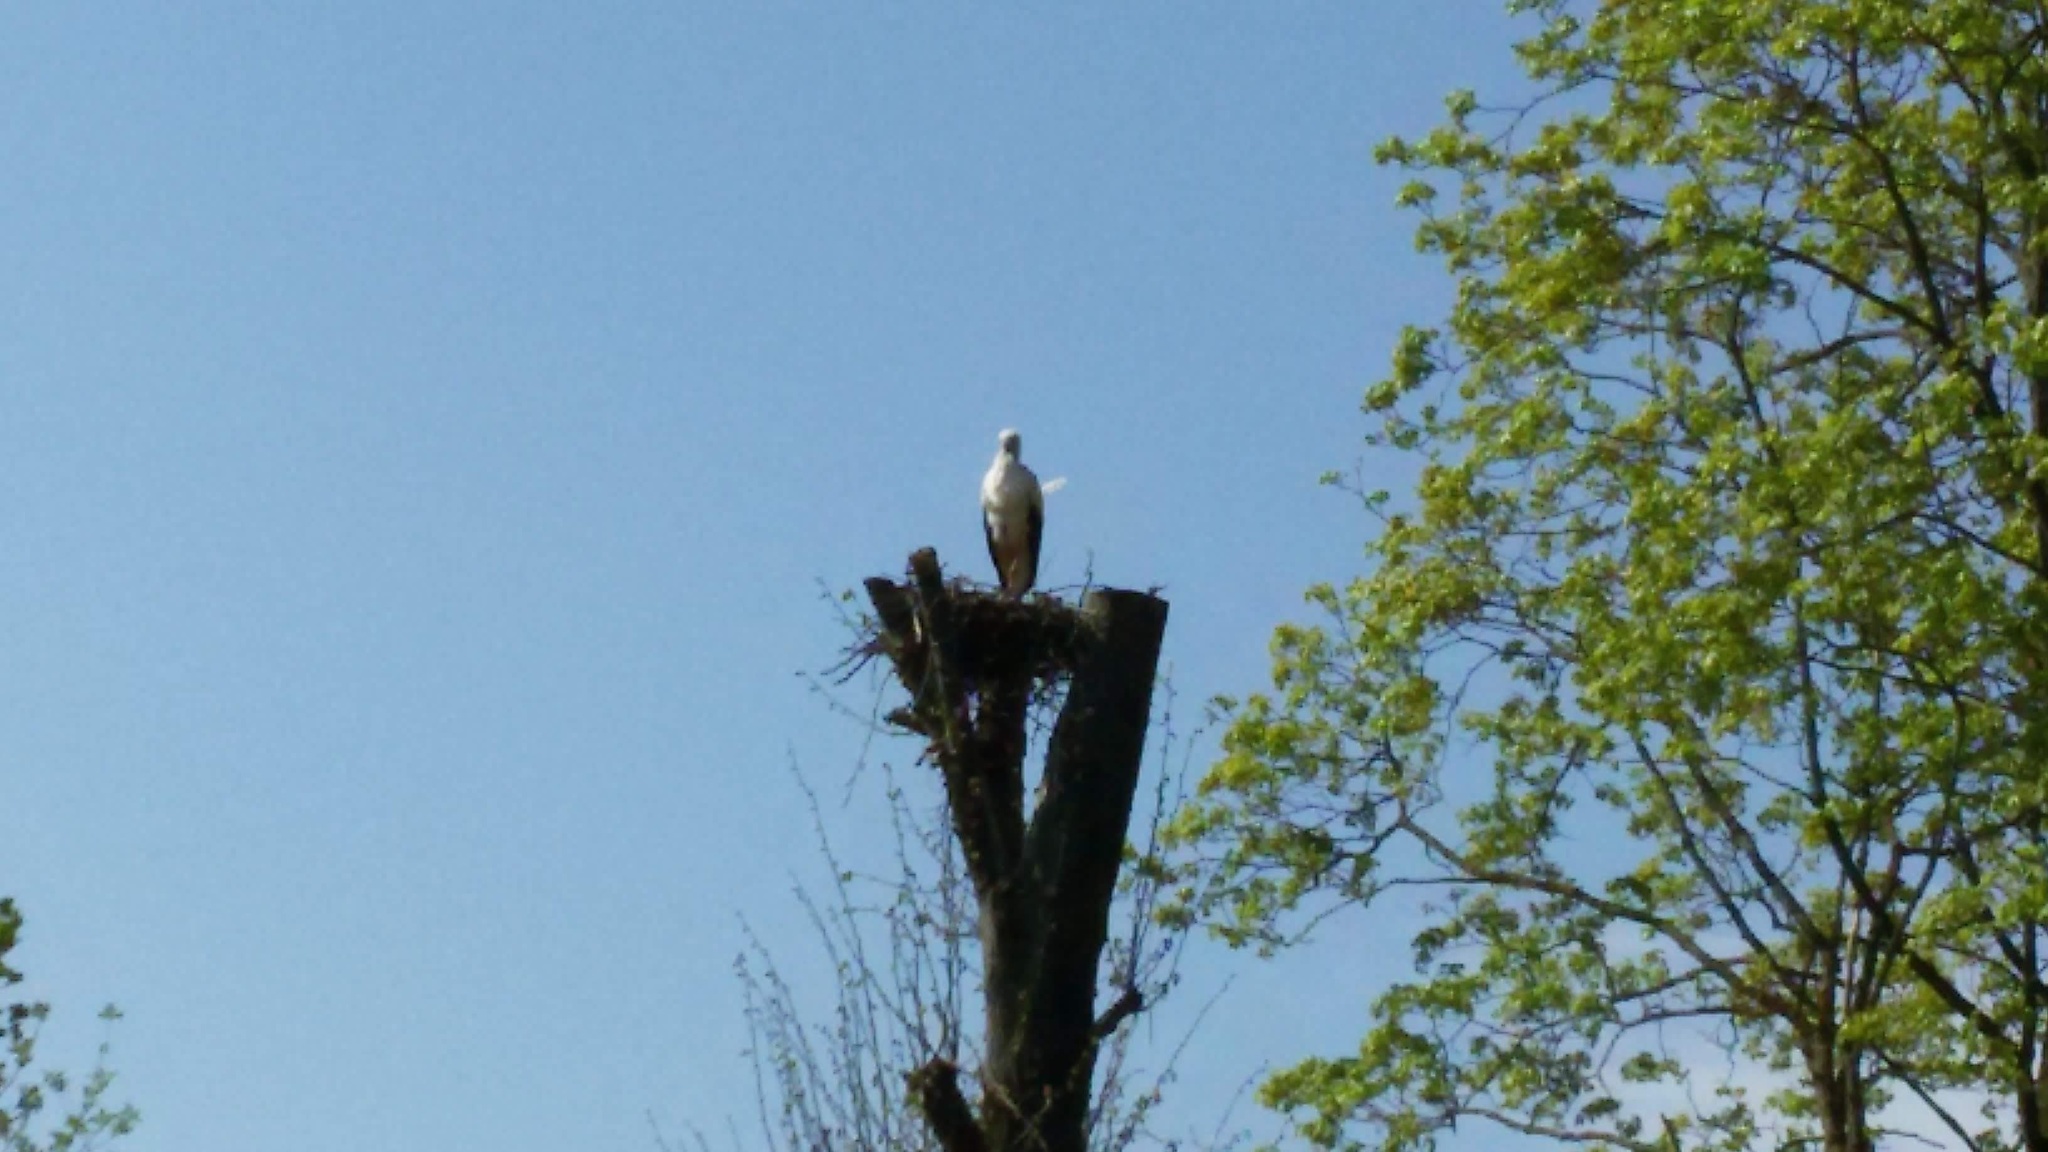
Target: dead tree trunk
[{"x": 1043, "y": 880}]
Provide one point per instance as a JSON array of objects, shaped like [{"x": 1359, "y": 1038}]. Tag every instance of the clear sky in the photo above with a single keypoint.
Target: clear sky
[{"x": 427, "y": 427}]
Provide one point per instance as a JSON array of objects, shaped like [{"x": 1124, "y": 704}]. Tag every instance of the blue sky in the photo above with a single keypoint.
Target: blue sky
[{"x": 427, "y": 427}]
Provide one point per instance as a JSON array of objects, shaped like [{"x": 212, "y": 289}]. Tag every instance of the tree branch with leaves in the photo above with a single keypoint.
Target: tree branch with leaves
[{"x": 1727, "y": 553}]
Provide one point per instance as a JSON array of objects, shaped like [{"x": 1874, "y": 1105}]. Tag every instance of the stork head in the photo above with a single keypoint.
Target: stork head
[{"x": 1010, "y": 442}]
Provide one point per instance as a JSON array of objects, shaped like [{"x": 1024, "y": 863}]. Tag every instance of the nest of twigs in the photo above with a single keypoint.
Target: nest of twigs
[
  {"x": 1000, "y": 640},
  {"x": 994, "y": 645}
]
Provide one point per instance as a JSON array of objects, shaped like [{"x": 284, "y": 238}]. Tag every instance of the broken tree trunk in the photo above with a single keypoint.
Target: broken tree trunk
[{"x": 1044, "y": 880}]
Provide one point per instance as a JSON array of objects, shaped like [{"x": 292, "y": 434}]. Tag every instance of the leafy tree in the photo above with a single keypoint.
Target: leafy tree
[
  {"x": 1702, "y": 680},
  {"x": 26, "y": 1097}
]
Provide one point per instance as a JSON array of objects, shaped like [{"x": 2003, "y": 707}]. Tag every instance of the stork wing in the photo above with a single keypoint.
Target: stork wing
[
  {"x": 995, "y": 555},
  {"x": 1028, "y": 563}
]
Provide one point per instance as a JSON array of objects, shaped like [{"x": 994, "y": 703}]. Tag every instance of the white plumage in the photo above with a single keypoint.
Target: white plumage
[{"x": 1012, "y": 516}]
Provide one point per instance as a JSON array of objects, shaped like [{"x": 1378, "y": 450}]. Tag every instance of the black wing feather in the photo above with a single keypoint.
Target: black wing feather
[
  {"x": 988, "y": 531},
  {"x": 1031, "y": 553}
]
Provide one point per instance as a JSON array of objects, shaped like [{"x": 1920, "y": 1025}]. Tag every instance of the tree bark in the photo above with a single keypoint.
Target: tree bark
[{"x": 1043, "y": 883}]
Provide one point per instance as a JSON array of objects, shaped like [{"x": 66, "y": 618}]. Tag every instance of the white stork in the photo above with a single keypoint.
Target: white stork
[{"x": 1013, "y": 516}]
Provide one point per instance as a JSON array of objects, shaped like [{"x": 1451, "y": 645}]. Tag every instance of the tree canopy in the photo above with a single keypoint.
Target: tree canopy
[
  {"x": 1701, "y": 683},
  {"x": 30, "y": 1119}
]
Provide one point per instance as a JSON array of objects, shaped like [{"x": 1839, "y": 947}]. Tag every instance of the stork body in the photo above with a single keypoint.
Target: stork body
[{"x": 1012, "y": 516}]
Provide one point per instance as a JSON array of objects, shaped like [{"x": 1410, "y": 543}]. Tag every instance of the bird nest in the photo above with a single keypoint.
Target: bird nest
[
  {"x": 996, "y": 639},
  {"x": 983, "y": 642},
  {"x": 1000, "y": 640}
]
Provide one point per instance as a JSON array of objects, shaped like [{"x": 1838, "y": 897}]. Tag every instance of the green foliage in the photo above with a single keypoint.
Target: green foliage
[
  {"x": 1703, "y": 678},
  {"x": 27, "y": 1100}
]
